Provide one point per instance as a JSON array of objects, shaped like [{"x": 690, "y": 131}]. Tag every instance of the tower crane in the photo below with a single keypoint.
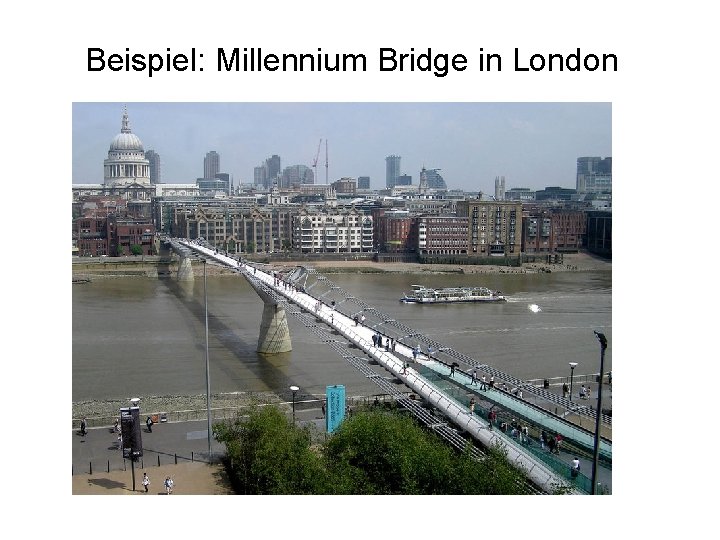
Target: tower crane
[{"x": 317, "y": 156}]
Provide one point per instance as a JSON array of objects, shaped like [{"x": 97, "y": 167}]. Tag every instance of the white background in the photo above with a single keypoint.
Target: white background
[{"x": 664, "y": 117}]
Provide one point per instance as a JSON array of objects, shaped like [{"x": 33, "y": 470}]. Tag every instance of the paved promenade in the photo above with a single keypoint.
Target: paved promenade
[{"x": 178, "y": 449}]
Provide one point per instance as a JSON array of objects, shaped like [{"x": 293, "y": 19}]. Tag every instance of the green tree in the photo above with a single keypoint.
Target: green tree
[
  {"x": 136, "y": 249},
  {"x": 266, "y": 454},
  {"x": 373, "y": 452},
  {"x": 378, "y": 452}
]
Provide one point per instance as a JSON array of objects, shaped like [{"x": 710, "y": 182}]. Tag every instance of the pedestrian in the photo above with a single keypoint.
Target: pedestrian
[
  {"x": 491, "y": 419},
  {"x": 492, "y": 381},
  {"x": 415, "y": 353},
  {"x": 149, "y": 424},
  {"x": 543, "y": 439},
  {"x": 355, "y": 318},
  {"x": 116, "y": 427},
  {"x": 145, "y": 481},
  {"x": 587, "y": 393},
  {"x": 551, "y": 444},
  {"x": 575, "y": 467},
  {"x": 387, "y": 344},
  {"x": 483, "y": 383},
  {"x": 374, "y": 338},
  {"x": 169, "y": 484},
  {"x": 565, "y": 390},
  {"x": 472, "y": 405},
  {"x": 473, "y": 381},
  {"x": 558, "y": 442},
  {"x": 583, "y": 392},
  {"x": 83, "y": 426},
  {"x": 452, "y": 369},
  {"x": 323, "y": 409},
  {"x": 362, "y": 318}
]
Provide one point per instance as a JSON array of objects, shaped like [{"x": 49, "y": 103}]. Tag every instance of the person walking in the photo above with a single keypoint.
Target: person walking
[
  {"x": 473, "y": 381},
  {"x": 472, "y": 405},
  {"x": 575, "y": 467},
  {"x": 565, "y": 390},
  {"x": 83, "y": 426},
  {"x": 149, "y": 424},
  {"x": 483, "y": 383},
  {"x": 145, "y": 481},
  {"x": 169, "y": 484},
  {"x": 491, "y": 419},
  {"x": 362, "y": 318}
]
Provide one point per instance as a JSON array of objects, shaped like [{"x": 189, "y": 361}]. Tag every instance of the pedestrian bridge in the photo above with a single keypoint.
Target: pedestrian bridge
[{"x": 436, "y": 374}]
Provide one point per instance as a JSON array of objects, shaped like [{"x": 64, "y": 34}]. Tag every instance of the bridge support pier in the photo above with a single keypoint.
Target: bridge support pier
[
  {"x": 185, "y": 269},
  {"x": 274, "y": 332}
]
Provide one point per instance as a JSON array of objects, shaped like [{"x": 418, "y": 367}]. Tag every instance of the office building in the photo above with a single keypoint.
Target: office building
[
  {"x": 392, "y": 170},
  {"x": 211, "y": 164},
  {"x": 154, "y": 161},
  {"x": 594, "y": 175}
]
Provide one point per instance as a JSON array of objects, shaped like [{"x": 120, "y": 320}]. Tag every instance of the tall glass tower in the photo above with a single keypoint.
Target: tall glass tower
[{"x": 392, "y": 170}]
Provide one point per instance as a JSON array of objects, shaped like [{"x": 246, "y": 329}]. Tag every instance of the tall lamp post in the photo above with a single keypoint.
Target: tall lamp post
[
  {"x": 207, "y": 358},
  {"x": 596, "y": 449},
  {"x": 294, "y": 391},
  {"x": 572, "y": 369}
]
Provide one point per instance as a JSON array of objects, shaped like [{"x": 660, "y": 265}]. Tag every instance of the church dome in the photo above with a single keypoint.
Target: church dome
[{"x": 126, "y": 140}]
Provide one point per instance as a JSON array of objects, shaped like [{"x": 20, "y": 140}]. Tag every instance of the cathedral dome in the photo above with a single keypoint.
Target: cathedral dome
[{"x": 126, "y": 140}]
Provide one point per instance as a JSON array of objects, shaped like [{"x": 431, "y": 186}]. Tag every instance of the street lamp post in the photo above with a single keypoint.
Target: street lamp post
[
  {"x": 596, "y": 449},
  {"x": 294, "y": 391},
  {"x": 207, "y": 358},
  {"x": 572, "y": 369}
]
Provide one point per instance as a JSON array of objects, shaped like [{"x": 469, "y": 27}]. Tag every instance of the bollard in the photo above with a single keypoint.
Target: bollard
[
  {"x": 108, "y": 465},
  {"x": 175, "y": 459},
  {"x": 158, "y": 460},
  {"x": 91, "y": 467},
  {"x": 192, "y": 456},
  {"x": 124, "y": 465},
  {"x": 142, "y": 463}
]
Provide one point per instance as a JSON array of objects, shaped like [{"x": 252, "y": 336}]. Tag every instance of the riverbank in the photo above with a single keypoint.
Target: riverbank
[
  {"x": 573, "y": 262},
  {"x": 87, "y": 269}
]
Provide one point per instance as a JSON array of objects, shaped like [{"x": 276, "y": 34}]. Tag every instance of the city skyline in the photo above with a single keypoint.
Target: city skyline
[{"x": 533, "y": 145}]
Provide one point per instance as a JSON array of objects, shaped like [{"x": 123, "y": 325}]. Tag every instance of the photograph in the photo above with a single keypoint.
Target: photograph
[{"x": 341, "y": 279}]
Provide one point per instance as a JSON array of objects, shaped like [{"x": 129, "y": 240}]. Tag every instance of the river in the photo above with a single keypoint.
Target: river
[{"x": 146, "y": 337}]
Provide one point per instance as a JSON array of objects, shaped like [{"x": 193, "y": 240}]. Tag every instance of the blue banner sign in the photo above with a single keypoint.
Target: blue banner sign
[{"x": 335, "y": 409}]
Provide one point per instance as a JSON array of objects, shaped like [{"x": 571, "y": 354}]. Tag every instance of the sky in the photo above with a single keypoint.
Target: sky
[{"x": 533, "y": 145}]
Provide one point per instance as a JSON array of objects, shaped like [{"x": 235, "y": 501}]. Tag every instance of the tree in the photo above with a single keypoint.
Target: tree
[
  {"x": 373, "y": 452},
  {"x": 136, "y": 249},
  {"x": 380, "y": 452},
  {"x": 266, "y": 454}
]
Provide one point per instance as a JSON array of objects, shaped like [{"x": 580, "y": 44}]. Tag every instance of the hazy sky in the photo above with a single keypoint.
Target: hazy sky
[{"x": 533, "y": 145}]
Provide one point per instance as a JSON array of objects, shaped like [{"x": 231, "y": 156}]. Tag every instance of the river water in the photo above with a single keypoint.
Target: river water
[{"x": 146, "y": 337}]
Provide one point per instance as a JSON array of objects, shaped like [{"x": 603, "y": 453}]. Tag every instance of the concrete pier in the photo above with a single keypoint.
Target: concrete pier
[
  {"x": 274, "y": 332},
  {"x": 185, "y": 270}
]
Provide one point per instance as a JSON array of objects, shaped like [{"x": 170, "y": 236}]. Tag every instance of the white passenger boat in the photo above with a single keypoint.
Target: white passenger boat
[{"x": 426, "y": 295}]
